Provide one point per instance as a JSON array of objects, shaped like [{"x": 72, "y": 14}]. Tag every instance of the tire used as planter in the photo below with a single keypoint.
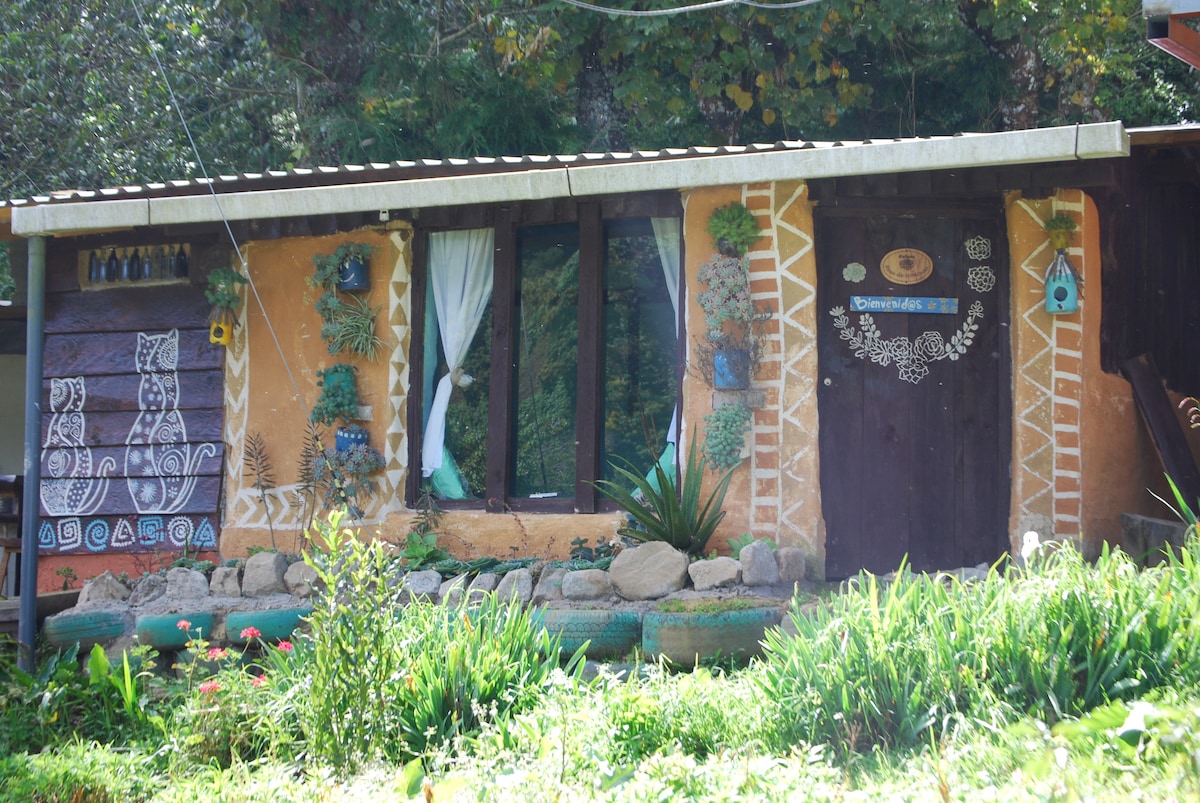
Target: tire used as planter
[
  {"x": 272, "y": 625},
  {"x": 162, "y": 632},
  {"x": 688, "y": 638},
  {"x": 611, "y": 634},
  {"x": 86, "y": 629}
]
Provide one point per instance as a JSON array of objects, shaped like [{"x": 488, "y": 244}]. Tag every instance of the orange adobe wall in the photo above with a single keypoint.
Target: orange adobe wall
[{"x": 1081, "y": 456}]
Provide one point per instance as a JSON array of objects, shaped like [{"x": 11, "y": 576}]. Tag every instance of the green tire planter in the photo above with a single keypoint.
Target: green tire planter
[
  {"x": 161, "y": 631},
  {"x": 273, "y": 625},
  {"x": 688, "y": 638},
  {"x": 86, "y": 629},
  {"x": 611, "y": 634}
]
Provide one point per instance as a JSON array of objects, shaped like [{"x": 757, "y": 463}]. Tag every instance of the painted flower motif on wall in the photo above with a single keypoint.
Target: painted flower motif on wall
[
  {"x": 981, "y": 279},
  {"x": 979, "y": 248},
  {"x": 854, "y": 272}
]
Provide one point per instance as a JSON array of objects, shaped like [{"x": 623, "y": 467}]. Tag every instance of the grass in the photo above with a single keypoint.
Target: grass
[{"x": 1066, "y": 681}]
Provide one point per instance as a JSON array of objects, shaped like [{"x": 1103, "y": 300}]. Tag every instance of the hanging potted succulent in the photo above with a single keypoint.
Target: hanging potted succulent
[
  {"x": 223, "y": 294},
  {"x": 345, "y": 269},
  {"x": 345, "y": 474},
  {"x": 339, "y": 400},
  {"x": 350, "y": 327}
]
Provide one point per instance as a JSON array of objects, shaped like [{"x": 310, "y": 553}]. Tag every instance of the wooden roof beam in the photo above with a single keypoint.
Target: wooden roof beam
[{"x": 1171, "y": 34}]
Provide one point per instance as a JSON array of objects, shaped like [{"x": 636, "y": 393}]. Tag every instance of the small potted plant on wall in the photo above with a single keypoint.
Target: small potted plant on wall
[
  {"x": 345, "y": 326},
  {"x": 344, "y": 475},
  {"x": 339, "y": 401},
  {"x": 222, "y": 293},
  {"x": 345, "y": 269}
]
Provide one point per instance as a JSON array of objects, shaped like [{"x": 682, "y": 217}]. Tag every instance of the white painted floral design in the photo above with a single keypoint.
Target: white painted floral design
[
  {"x": 979, "y": 248},
  {"x": 981, "y": 278},
  {"x": 911, "y": 356},
  {"x": 854, "y": 272}
]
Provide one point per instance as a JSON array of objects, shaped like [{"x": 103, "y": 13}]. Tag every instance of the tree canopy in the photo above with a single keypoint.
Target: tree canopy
[{"x": 270, "y": 83}]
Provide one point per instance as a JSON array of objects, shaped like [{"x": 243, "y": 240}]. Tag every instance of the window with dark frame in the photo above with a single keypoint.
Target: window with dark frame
[{"x": 576, "y": 359}]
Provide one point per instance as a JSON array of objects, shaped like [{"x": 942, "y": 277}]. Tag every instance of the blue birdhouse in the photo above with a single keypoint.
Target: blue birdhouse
[{"x": 1062, "y": 286}]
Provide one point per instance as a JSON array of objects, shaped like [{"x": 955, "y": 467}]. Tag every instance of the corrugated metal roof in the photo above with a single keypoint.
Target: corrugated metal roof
[
  {"x": 422, "y": 168},
  {"x": 430, "y": 183}
]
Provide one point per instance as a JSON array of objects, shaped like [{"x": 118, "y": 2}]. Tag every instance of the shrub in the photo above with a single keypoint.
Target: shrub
[
  {"x": 421, "y": 674},
  {"x": 886, "y": 665}
]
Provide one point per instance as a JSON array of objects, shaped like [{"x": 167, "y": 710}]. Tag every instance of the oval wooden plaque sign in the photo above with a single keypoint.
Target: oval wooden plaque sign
[{"x": 906, "y": 266}]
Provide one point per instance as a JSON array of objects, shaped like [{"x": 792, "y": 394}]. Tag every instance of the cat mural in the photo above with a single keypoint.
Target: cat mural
[
  {"x": 71, "y": 486},
  {"x": 160, "y": 465}
]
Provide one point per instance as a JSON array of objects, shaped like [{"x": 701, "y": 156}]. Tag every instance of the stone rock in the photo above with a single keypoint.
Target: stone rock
[
  {"x": 301, "y": 579},
  {"x": 148, "y": 589},
  {"x": 103, "y": 587},
  {"x": 586, "y": 584},
  {"x": 263, "y": 574},
  {"x": 186, "y": 584},
  {"x": 483, "y": 584},
  {"x": 716, "y": 573},
  {"x": 1146, "y": 539},
  {"x": 451, "y": 591},
  {"x": 225, "y": 582},
  {"x": 759, "y": 567},
  {"x": 549, "y": 586},
  {"x": 420, "y": 586},
  {"x": 792, "y": 564},
  {"x": 649, "y": 571},
  {"x": 516, "y": 585}
]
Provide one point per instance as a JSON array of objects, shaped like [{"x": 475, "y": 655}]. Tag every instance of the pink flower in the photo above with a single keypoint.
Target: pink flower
[
  {"x": 210, "y": 686},
  {"x": 286, "y": 646},
  {"x": 250, "y": 632},
  {"x": 259, "y": 680},
  {"x": 184, "y": 625},
  {"x": 217, "y": 653}
]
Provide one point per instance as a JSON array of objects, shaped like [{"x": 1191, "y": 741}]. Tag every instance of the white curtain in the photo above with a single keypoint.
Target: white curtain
[
  {"x": 460, "y": 271},
  {"x": 666, "y": 237}
]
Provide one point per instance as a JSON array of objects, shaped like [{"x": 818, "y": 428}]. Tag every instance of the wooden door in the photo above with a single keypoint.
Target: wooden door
[{"x": 914, "y": 388}]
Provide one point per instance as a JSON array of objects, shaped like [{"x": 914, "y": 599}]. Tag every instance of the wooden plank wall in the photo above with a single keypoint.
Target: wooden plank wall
[{"x": 131, "y": 417}]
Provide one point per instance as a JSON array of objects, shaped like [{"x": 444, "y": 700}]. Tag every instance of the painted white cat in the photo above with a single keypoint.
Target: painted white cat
[
  {"x": 160, "y": 466},
  {"x": 69, "y": 486}
]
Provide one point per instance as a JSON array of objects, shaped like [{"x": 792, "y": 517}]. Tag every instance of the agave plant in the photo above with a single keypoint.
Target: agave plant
[{"x": 679, "y": 516}]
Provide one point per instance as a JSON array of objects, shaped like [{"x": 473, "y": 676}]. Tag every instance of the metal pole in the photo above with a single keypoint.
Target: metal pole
[{"x": 30, "y": 501}]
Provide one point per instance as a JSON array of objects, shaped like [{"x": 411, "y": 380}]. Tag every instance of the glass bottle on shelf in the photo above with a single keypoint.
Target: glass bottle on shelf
[
  {"x": 161, "y": 258},
  {"x": 95, "y": 271},
  {"x": 111, "y": 266},
  {"x": 181, "y": 263}
]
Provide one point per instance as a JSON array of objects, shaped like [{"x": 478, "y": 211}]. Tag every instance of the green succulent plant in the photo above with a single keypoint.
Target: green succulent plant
[
  {"x": 725, "y": 431},
  {"x": 339, "y": 395}
]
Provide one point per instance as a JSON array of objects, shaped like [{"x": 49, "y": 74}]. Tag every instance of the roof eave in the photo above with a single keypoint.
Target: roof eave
[{"x": 1066, "y": 143}]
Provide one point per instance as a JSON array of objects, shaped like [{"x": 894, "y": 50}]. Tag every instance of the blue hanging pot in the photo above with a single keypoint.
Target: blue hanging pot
[
  {"x": 731, "y": 369},
  {"x": 345, "y": 437},
  {"x": 352, "y": 276}
]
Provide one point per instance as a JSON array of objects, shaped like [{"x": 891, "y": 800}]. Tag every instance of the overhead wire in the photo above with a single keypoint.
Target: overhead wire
[
  {"x": 217, "y": 200},
  {"x": 663, "y": 12}
]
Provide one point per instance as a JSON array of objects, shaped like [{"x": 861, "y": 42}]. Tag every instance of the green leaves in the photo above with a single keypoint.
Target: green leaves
[{"x": 683, "y": 518}]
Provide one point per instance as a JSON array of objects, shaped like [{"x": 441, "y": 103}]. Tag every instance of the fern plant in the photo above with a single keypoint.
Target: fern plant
[{"x": 258, "y": 464}]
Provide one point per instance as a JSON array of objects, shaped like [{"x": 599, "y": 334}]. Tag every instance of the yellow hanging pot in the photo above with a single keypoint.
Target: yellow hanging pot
[{"x": 220, "y": 332}]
